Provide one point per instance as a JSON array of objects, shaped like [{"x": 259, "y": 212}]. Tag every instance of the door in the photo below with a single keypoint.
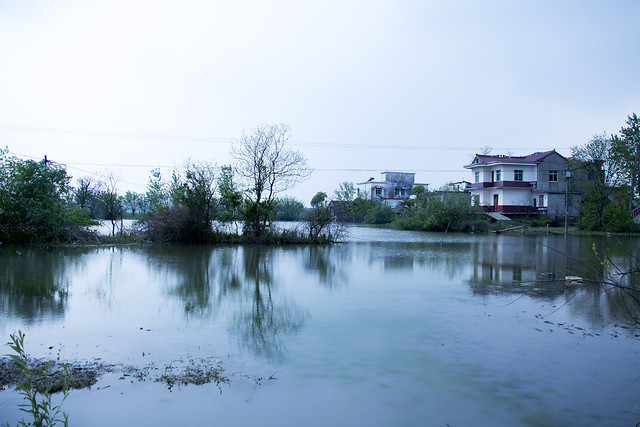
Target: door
[{"x": 495, "y": 203}]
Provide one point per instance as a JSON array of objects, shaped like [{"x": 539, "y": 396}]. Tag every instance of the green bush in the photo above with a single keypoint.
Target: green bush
[
  {"x": 35, "y": 202},
  {"x": 616, "y": 218},
  {"x": 379, "y": 214},
  {"x": 436, "y": 212}
]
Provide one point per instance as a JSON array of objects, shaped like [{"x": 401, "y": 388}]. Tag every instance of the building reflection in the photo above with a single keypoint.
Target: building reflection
[{"x": 538, "y": 268}]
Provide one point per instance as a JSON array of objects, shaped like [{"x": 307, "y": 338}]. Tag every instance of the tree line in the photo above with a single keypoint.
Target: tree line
[
  {"x": 207, "y": 203},
  {"x": 203, "y": 203}
]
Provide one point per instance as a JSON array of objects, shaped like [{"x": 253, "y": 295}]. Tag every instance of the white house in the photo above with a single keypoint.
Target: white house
[
  {"x": 521, "y": 184},
  {"x": 392, "y": 189}
]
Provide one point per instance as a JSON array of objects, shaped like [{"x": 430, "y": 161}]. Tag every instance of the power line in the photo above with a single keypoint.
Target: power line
[
  {"x": 228, "y": 140},
  {"x": 151, "y": 166}
]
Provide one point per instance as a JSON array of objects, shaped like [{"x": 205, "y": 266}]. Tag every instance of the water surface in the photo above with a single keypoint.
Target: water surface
[{"x": 390, "y": 328}]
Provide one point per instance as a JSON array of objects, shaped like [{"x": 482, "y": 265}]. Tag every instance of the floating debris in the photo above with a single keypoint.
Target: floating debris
[{"x": 573, "y": 280}]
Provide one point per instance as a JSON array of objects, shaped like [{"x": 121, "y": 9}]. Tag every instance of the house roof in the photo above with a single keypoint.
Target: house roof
[{"x": 483, "y": 160}]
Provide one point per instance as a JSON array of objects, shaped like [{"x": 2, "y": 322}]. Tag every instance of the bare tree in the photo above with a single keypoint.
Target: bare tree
[
  {"x": 486, "y": 150},
  {"x": 113, "y": 202},
  {"x": 268, "y": 167}
]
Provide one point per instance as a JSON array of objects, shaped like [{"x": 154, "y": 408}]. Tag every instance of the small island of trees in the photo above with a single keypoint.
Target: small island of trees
[{"x": 203, "y": 204}]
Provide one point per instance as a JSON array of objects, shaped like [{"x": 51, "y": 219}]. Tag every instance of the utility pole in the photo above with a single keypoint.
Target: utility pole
[{"x": 566, "y": 203}]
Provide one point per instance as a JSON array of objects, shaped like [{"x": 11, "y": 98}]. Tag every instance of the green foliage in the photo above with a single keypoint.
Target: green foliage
[
  {"x": 436, "y": 212},
  {"x": 133, "y": 202},
  {"x": 87, "y": 196},
  {"x": 627, "y": 148},
  {"x": 230, "y": 196},
  {"x": 354, "y": 210},
  {"x": 156, "y": 196},
  {"x": 40, "y": 406},
  {"x": 419, "y": 190},
  {"x": 319, "y": 199},
  {"x": 288, "y": 209},
  {"x": 36, "y": 202},
  {"x": 597, "y": 169},
  {"x": 189, "y": 216},
  {"x": 319, "y": 217},
  {"x": 379, "y": 213},
  {"x": 615, "y": 217},
  {"x": 345, "y": 192}
]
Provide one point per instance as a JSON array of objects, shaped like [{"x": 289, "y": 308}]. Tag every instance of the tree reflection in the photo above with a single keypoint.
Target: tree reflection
[
  {"x": 33, "y": 282},
  {"x": 329, "y": 263},
  {"x": 236, "y": 280},
  {"x": 263, "y": 326}
]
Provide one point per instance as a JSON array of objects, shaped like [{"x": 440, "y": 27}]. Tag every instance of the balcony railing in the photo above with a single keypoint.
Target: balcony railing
[{"x": 504, "y": 184}]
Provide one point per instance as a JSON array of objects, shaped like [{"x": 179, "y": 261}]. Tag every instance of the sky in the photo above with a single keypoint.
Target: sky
[{"x": 122, "y": 86}]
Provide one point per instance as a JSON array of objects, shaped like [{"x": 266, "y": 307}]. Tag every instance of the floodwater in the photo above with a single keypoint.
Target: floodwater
[{"x": 390, "y": 328}]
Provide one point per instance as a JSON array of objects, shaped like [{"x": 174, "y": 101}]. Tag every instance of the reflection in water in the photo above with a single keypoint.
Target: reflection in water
[
  {"x": 33, "y": 284},
  {"x": 330, "y": 263},
  {"x": 245, "y": 285},
  {"x": 239, "y": 280},
  {"x": 263, "y": 325},
  {"x": 190, "y": 274},
  {"x": 538, "y": 267}
]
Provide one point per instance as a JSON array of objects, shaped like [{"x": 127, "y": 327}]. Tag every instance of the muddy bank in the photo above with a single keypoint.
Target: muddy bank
[{"x": 50, "y": 374}]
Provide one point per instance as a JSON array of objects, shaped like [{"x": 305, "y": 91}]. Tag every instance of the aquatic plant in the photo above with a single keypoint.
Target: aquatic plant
[{"x": 39, "y": 405}]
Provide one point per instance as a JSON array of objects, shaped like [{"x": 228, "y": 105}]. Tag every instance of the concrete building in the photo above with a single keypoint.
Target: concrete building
[
  {"x": 535, "y": 183},
  {"x": 391, "y": 189}
]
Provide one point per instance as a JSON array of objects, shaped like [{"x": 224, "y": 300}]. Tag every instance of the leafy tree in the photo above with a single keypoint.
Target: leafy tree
[
  {"x": 319, "y": 199},
  {"x": 599, "y": 172},
  {"x": 189, "y": 215},
  {"x": 87, "y": 196},
  {"x": 156, "y": 196},
  {"x": 133, "y": 201},
  {"x": 627, "y": 150},
  {"x": 319, "y": 217},
  {"x": 419, "y": 190},
  {"x": 268, "y": 167},
  {"x": 36, "y": 202},
  {"x": 288, "y": 209},
  {"x": 230, "y": 196},
  {"x": 198, "y": 197},
  {"x": 345, "y": 192}
]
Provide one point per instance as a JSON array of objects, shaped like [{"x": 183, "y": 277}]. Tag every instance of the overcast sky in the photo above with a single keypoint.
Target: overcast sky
[{"x": 366, "y": 86}]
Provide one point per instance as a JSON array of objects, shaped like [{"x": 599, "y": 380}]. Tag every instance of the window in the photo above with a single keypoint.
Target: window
[
  {"x": 517, "y": 175},
  {"x": 541, "y": 200},
  {"x": 498, "y": 175},
  {"x": 378, "y": 191},
  {"x": 477, "y": 176},
  {"x": 553, "y": 176}
]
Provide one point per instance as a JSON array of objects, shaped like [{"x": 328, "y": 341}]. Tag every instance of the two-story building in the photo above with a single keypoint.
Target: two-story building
[
  {"x": 535, "y": 183},
  {"x": 392, "y": 189}
]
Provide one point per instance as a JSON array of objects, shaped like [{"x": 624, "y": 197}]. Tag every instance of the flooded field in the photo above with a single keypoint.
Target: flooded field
[{"x": 389, "y": 328}]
